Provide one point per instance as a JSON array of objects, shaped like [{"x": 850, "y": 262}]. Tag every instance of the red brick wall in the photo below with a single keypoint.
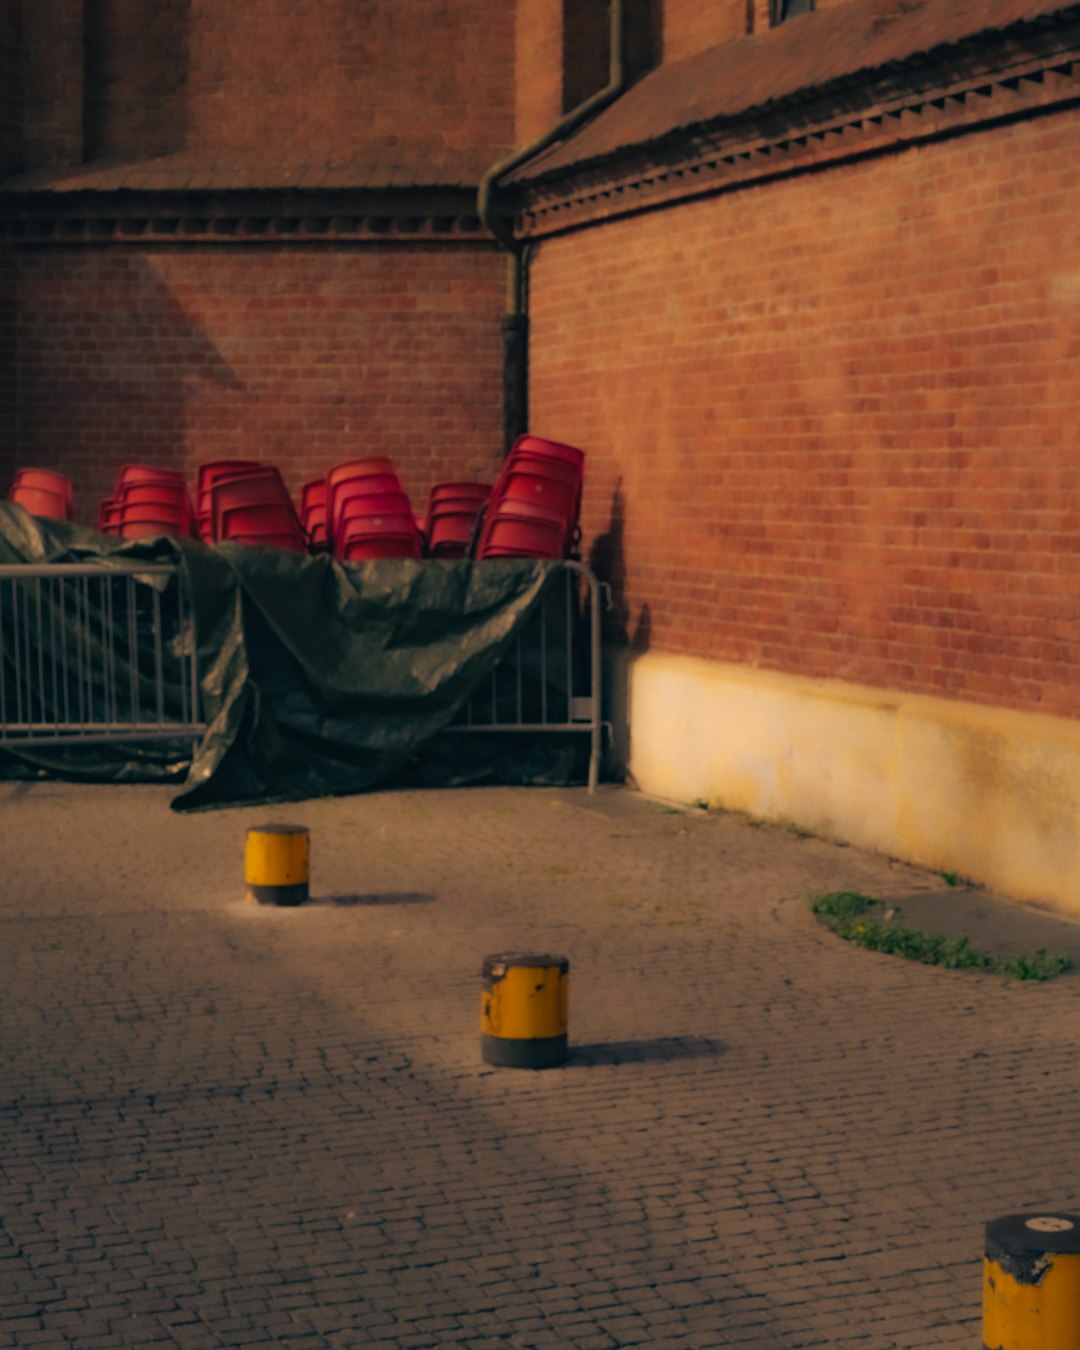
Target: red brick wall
[
  {"x": 324, "y": 81},
  {"x": 586, "y": 50},
  {"x": 52, "y": 82},
  {"x": 137, "y": 71},
  {"x": 10, "y": 90},
  {"x": 303, "y": 357},
  {"x": 539, "y": 77},
  {"x": 690, "y": 26},
  {"x": 333, "y": 78},
  {"x": 843, "y": 413}
]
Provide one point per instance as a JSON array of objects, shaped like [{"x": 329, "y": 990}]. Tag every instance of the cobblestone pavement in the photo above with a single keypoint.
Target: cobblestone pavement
[{"x": 224, "y": 1124}]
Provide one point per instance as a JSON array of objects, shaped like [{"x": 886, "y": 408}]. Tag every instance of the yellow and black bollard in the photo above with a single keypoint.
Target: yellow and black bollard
[
  {"x": 523, "y": 1014},
  {"x": 1031, "y": 1283},
  {"x": 276, "y": 864}
]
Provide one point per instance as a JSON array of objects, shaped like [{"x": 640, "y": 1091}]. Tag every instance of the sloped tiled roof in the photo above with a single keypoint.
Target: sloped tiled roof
[
  {"x": 795, "y": 58},
  {"x": 246, "y": 171}
]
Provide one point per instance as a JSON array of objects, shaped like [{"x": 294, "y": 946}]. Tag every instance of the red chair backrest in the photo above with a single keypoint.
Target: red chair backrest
[
  {"x": 312, "y": 495},
  {"x": 249, "y": 490},
  {"x": 40, "y": 502},
  {"x": 133, "y": 474},
  {"x": 473, "y": 491},
  {"x": 109, "y": 514},
  {"x": 262, "y": 519},
  {"x": 47, "y": 480},
  {"x": 353, "y": 470},
  {"x": 208, "y": 473},
  {"x": 515, "y": 528},
  {"x": 545, "y": 449},
  {"x": 544, "y": 491},
  {"x": 368, "y": 547},
  {"x": 137, "y": 525}
]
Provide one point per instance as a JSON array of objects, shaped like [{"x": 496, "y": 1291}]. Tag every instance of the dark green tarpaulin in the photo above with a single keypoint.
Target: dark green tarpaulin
[{"x": 316, "y": 677}]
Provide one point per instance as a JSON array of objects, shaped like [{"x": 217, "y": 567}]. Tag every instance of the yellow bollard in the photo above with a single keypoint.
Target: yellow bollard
[
  {"x": 276, "y": 864},
  {"x": 523, "y": 1011},
  {"x": 1031, "y": 1283}
]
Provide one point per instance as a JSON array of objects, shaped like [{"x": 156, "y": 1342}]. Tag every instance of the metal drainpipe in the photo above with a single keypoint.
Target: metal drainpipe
[{"x": 515, "y": 325}]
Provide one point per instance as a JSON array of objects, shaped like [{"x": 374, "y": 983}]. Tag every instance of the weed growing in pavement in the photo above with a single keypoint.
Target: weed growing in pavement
[{"x": 850, "y": 915}]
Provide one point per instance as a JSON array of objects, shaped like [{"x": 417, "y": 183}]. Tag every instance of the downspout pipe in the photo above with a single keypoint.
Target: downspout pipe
[{"x": 515, "y": 319}]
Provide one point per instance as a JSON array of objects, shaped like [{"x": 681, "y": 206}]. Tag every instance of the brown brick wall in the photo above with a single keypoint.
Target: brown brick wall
[
  {"x": 52, "y": 82},
  {"x": 10, "y": 90},
  {"x": 831, "y": 422},
  {"x": 539, "y": 79},
  {"x": 137, "y": 72},
  {"x": 303, "y": 357},
  {"x": 322, "y": 80},
  {"x": 405, "y": 75},
  {"x": 690, "y": 27}
]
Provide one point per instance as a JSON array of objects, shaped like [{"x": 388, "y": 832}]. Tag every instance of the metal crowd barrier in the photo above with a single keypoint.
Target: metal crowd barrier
[
  {"x": 549, "y": 679},
  {"x": 91, "y": 654}
]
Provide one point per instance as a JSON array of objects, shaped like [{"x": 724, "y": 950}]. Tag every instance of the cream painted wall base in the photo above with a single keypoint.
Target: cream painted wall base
[{"x": 990, "y": 794}]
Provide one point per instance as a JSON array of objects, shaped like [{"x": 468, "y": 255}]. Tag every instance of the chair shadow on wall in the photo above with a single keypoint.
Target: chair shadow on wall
[
  {"x": 169, "y": 379},
  {"x": 607, "y": 562}
]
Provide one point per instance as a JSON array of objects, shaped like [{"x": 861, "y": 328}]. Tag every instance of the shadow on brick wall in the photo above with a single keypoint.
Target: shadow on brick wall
[
  {"x": 607, "y": 561},
  {"x": 111, "y": 369}
]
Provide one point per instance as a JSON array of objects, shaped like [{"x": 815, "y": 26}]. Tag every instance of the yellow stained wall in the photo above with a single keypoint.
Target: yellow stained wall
[{"x": 989, "y": 793}]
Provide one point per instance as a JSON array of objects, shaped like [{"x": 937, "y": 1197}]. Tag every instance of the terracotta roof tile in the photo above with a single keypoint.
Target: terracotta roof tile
[
  {"x": 384, "y": 167},
  {"x": 799, "y": 55}
]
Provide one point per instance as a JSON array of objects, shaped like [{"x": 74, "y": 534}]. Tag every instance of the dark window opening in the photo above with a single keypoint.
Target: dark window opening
[{"x": 787, "y": 9}]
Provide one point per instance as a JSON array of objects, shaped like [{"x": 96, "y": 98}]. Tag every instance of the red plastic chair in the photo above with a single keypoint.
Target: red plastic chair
[
  {"x": 208, "y": 475},
  {"x": 110, "y": 513},
  {"x": 268, "y": 523},
  {"x": 355, "y": 470},
  {"x": 264, "y": 488},
  {"x": 164, "y": 501},
  {"x": 548, "y": 473},
  {"x": 519, "y": 529},
  {"x": 378, "y": 518},
  {"x": 47, "y": 480},
  {"x": 458, "y": 491},
  {"x": 545, "y": 449},
  {"x": 146, "y": 522},
  {"x": 40, "y": 501},
  {"x": 313, "y": 513},
  {"x": 367, "y": 485},
  {"x": 451, "y": 524},
  {"x": 389, "y": 536},
  {"x": 133, "y": 476},
  {"x": 136, "y": 475},
  {"x": 356, "y": 502},
  {"x": 542, "y": 491},
  {"x": 211, "y": 470}
]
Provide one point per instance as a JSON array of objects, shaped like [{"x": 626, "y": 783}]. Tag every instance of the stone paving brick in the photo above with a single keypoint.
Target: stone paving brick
[{"x": 231, "y": 1125}]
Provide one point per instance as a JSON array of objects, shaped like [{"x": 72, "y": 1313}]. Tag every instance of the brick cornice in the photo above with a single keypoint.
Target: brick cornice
[
  {"x": 918, "y": 101},
  {"x": 290, "y": 216}
]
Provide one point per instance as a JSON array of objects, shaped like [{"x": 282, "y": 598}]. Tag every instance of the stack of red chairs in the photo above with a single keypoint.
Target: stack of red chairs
[
  {"x": 368, "y": 512},
  {"x": 148, "y": 502},
  {"x": 453, "y": 511},
  {"x": 535, "y": 505},
  {"x": 313, "y": 514},
  {"x": 42, "y": 492},
  {"x": 253, "y": 506},
  {"x": 207, "y": 475}
]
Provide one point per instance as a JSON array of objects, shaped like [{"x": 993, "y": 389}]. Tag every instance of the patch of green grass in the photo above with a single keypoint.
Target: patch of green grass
[
  {"x": 950, "y": 878},
  {"x": 851, "y": 916}
]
